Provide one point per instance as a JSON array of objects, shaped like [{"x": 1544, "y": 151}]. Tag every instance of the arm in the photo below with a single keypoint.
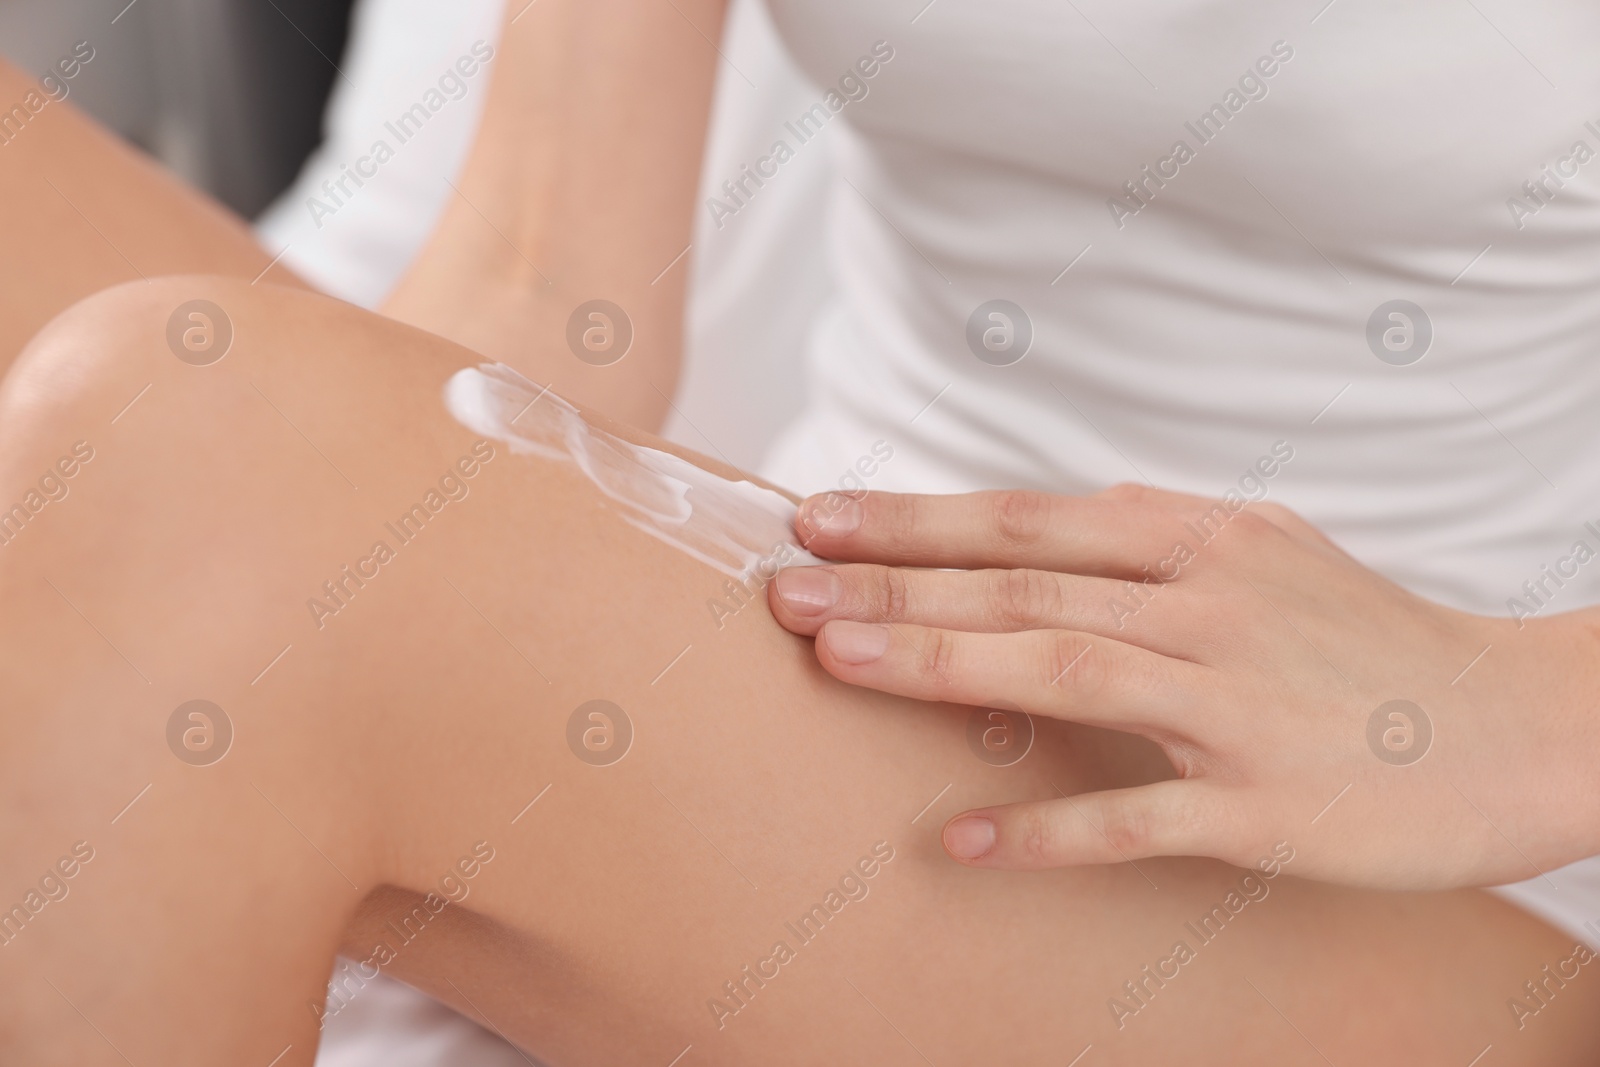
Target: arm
[{"x": 580, "y": 187}]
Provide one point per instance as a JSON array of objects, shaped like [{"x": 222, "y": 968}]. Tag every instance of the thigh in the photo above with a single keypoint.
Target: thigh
[
  {"x": 757, "y": 879},
  {"x": 82, "y": 211}
]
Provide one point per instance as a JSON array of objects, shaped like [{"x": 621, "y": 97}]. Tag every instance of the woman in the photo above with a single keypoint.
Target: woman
[{"x": 392, "y": 740}]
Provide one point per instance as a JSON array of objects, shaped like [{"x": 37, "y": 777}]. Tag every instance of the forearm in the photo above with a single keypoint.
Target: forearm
[{"x": 580, "y": 187}]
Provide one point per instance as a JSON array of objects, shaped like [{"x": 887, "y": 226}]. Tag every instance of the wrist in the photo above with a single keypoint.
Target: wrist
[{"x": 1565, "y": 679}]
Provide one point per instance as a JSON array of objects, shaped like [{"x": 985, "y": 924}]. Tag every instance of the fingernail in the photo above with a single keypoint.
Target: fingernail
[
  {"x": 856, "y": 642},
  {"x": 969, "y": 837},
  {"x": 835, "y": 515},
  {"x": 809, "y": 590}
]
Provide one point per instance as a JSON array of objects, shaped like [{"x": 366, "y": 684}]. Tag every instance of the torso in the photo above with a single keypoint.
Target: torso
[{"x": 1229, "y": 312}]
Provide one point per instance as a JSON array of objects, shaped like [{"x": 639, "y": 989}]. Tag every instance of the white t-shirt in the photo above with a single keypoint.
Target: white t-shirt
[
  {"x": 1205, "y": 213},
  {"x": 1292, "y": 177}
]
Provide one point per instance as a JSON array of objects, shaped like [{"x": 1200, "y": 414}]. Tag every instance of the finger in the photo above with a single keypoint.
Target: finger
[
  {"x": 988, "y": 601},
  {"x": 1059, "y": 673},
  {"x": 1012, "y": 528},
  {"x": 1172, "y": 818}
]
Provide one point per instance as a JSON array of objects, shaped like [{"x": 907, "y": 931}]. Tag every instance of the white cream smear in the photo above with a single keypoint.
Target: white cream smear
[{"x": 737, "y": 527}]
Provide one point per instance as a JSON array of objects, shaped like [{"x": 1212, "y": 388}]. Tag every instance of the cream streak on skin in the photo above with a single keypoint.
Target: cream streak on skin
[{"x": 726, "y": 524}]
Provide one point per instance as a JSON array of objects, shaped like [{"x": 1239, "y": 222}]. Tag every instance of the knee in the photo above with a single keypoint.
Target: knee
[
  {"x": 80, "y": 367},
  {"x": 153, "y": 383}
]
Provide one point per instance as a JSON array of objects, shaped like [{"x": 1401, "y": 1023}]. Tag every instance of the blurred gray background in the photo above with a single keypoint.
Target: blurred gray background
[{"x": 228, "y": 93}]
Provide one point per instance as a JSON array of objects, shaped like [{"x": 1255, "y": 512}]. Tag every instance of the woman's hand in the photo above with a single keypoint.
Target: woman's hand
[{"x": 1299, "y": 696}]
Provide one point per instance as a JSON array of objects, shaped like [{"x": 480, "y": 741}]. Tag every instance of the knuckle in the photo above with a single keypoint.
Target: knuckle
[
  {"x": 1069, "y": 661},
  {"x": 1023, "y": 598},
  {"x": 1216, "y": 517},
  {"x": 1127, "y": 826},
  {"x": 1253, "y": 524},
  {"x": 893, "y": 593},
  {"x": 1292, "y": 524},
  {"x": 1021, "y": 517},
  {"x": 1243, "y": 532},
  {"x": 939, "y": 657}
]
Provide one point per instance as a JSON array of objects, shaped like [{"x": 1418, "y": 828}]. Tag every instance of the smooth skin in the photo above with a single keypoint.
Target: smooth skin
[
  {"x": 83, "y": 211},
  {"x": 580, "y": 186},
  {"x": 371, "y": 757},
  {"x": 1256, "y": 666},
  {"x": 411, "y": 731},
  {"x": 551, "y": 212}
]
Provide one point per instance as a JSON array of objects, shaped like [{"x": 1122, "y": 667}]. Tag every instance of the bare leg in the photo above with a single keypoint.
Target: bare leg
[
  {"x": 81, "y": 211},
  {"x": 409, "y": 733}
]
